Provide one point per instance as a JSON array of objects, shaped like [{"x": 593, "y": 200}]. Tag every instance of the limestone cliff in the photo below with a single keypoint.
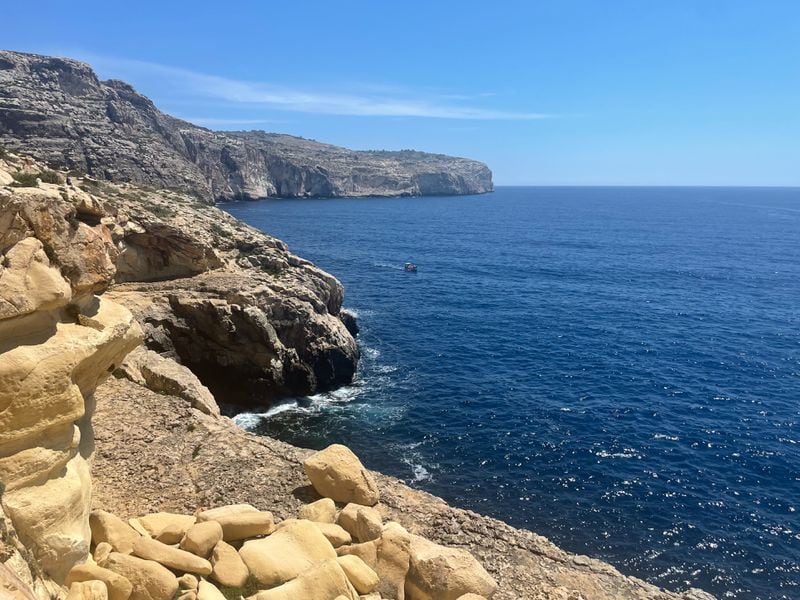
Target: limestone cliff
[
  {"x": 224, "y": 299},
  {"x": 59, "y": 111}
]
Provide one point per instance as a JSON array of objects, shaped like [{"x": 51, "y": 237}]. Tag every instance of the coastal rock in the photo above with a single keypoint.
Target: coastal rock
[
  {"x": 336, "y": 473},
  {"x": 112, "y": 530},
  {"x": 364, "y": 579},
  {"x": 229, "y": 568},
  {"x": 88, "y": 590},
  {"x": 321, "y": 511},
  {"x": 239, "y": 521},
  {"x": 63, "y": 114},
  {"x": 394, "y": 557},
  {"x": 208, "y": 591},
  {"x": 172, "y": 558},
  {"x": 156, "y": 523},
  {"x": 150, "y": 580},
  {"x": 286, "y": 553},
  {"x": 118, "y": 587},
  {"x": 201, "y": 538},
  {"x": 440, "y": 573},
  {"x": 324, "y": 580}
]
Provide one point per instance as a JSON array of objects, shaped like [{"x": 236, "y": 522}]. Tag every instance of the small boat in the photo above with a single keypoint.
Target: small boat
[{"x": 411, "y": 267}]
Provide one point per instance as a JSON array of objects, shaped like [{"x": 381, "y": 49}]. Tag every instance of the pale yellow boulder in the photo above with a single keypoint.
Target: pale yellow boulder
[
  {"x": 369, "y": 525},
  {"x": 321, "y": 511},
  {"x": 109, "y": 528},
  {"x": 138, "y": 528},
  {"x": 336, "y": 473},
  {"x": 201, "y": 538},
  {"x": 394, "y": 550},
  {"x": 119, "y": 588},
  {"x": 188, "y": 582},
  {"x": 208, "y": 591},
  {"x": 101, "y": 552},
  {"x": 286, "y": 553},
  {"x": 368, "y": 552},
  {"x": 364, "y": 579},
  {"x": 471, "y": 597},
  {"x": 324, "y": 580},
  {"x": 151, "y": 581},
  {"x": 229, "y": 568},
  {"x": 171, "y": 534},
  {"x": 155, "y": 523},
  {"x": 239, "y": 521},
  {"x": 187, "y": 595},
  {"x": 335, "y": 534},
  {"x": 440, "y": 573},
  {"x": 173, "y": 558},
  {"x": 87, "y": 590}
]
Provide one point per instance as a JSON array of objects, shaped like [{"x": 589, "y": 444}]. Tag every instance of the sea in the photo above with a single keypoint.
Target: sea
[{"x": 617, "y": 369}]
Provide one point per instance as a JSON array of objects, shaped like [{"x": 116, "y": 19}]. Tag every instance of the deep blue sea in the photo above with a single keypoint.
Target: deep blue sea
[{"x": 615, "y": 368}]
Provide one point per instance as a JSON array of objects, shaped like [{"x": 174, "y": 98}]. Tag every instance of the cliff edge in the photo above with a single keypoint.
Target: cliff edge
[{"x": 57, "y": 110}]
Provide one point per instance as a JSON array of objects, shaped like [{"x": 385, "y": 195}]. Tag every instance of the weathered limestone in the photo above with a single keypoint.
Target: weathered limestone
[
  {"x": 369, "y": 525},
  {"x": 286, "y": 553},
  {"x": 171, "y": 534},
  {"x": 208, "y": 591},
  {"x": 201, "y": 538},
  {"x": 170, "y": 557},
  {"x": 119, "y": 588},
  {"x": 321, "y": 511},
  {"x": 155, "y": 523},
  {"x": 88, "y": 590},
  {"x": 151, "y": 581},
  {"x": 229, "y": 568},
  {"x": 109, "y": 528},
  {"x": 394, "y": 551},
  {"x": 363, "y": 578},
  {"x": 368, "y": 552},
  {"x": 324, "y": 580},
  {"x": 239, "y": 521},
  {"x": 336, "y": 473},
  {"x": 440, "y": 573}
]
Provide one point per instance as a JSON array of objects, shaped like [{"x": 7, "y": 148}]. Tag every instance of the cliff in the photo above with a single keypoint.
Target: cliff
[{"x": 59, "y": 111}]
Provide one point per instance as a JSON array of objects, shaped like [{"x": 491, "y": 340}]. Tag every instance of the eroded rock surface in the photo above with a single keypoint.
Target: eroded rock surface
[
  {"x": 58, "y": 340},
  {"x": 58, "y": 110}
]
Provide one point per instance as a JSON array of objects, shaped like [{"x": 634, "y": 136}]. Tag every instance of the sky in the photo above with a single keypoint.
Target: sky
[{"x": 558, "y": 92}]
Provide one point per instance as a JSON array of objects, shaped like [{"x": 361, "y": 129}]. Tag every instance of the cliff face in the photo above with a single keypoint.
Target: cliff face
[{"x": 60, "y": 112}]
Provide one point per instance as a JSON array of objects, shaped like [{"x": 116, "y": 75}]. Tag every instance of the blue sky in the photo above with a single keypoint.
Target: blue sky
[{"x": 632, "y": 92}]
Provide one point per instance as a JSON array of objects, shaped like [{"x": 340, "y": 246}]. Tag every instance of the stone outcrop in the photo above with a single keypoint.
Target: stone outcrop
[
  {"x": 59, "y": 111},
  {"x": 58, "y": 341},
  {"x": 221, "y": 299}
]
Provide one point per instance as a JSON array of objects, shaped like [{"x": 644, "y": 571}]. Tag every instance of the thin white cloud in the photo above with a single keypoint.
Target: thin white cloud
[{"x": 356, "y": 103}]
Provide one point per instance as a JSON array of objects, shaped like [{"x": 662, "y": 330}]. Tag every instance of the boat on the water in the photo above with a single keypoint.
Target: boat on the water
[{"x": 411, "y": 267}]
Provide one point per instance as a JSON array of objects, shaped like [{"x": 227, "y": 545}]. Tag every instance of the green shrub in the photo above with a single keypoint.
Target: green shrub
[
  {"x": 160, "y": 211},
  {"x": 25, "y": 180},
  {"x": 49, "y": 176}
]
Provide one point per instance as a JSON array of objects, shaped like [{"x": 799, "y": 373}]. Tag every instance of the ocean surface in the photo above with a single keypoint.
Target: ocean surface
[{"x": 615, "y": 368}]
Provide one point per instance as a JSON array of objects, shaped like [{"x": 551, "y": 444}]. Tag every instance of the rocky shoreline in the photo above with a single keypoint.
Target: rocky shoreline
[{"x": 214, "y": 301}]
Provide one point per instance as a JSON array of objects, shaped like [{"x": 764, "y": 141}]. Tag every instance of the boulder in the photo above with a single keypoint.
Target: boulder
[
  {"x": 155, "y": 523},
  {"x": 369, "y": 525},
  {"x": 336, "y": 473},
  {"x": 208, "y": 591},
  {"x": 151, "y": 581},
  {"x": 239, "y": 521},
  {"x": 471, "y": 597},
  {"x": 119, "y": 588},
  {"x": 324, "y": 580},
  {"x": 171, "y": 534},
  {"x": 364, "y": 579},
  {"x": 335, "y": 534},
  {"x": 392, "y": 566},
  {"x": 368, "y": 552},
  {"x": 201, "y": 538},
  {"x": 229, "y": 568},
  {"x": 321, "y": 511},
  {"x": 188, "y": 582},
  {"x": 286, "y": 553},
  {"x": 109, "y": 528},
  {"x": 173, "y": 558},
  {"x": 440, "y": 573},
  {"x": 87, "y": 590}
]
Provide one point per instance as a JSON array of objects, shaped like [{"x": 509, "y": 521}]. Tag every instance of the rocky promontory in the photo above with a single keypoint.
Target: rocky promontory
[{"x": 57, "y": 110}]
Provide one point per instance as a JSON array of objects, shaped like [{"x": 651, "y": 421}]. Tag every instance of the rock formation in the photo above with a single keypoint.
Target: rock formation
[
  {"x": 58, "y": 340},
  {"x": 59, "y": 111},
  {"x": 225, "y": 300}
]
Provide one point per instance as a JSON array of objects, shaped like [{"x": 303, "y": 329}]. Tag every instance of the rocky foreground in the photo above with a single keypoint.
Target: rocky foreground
[
  {"x": 60, "y": 112},
  {"x": 91, "y": 270}
]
